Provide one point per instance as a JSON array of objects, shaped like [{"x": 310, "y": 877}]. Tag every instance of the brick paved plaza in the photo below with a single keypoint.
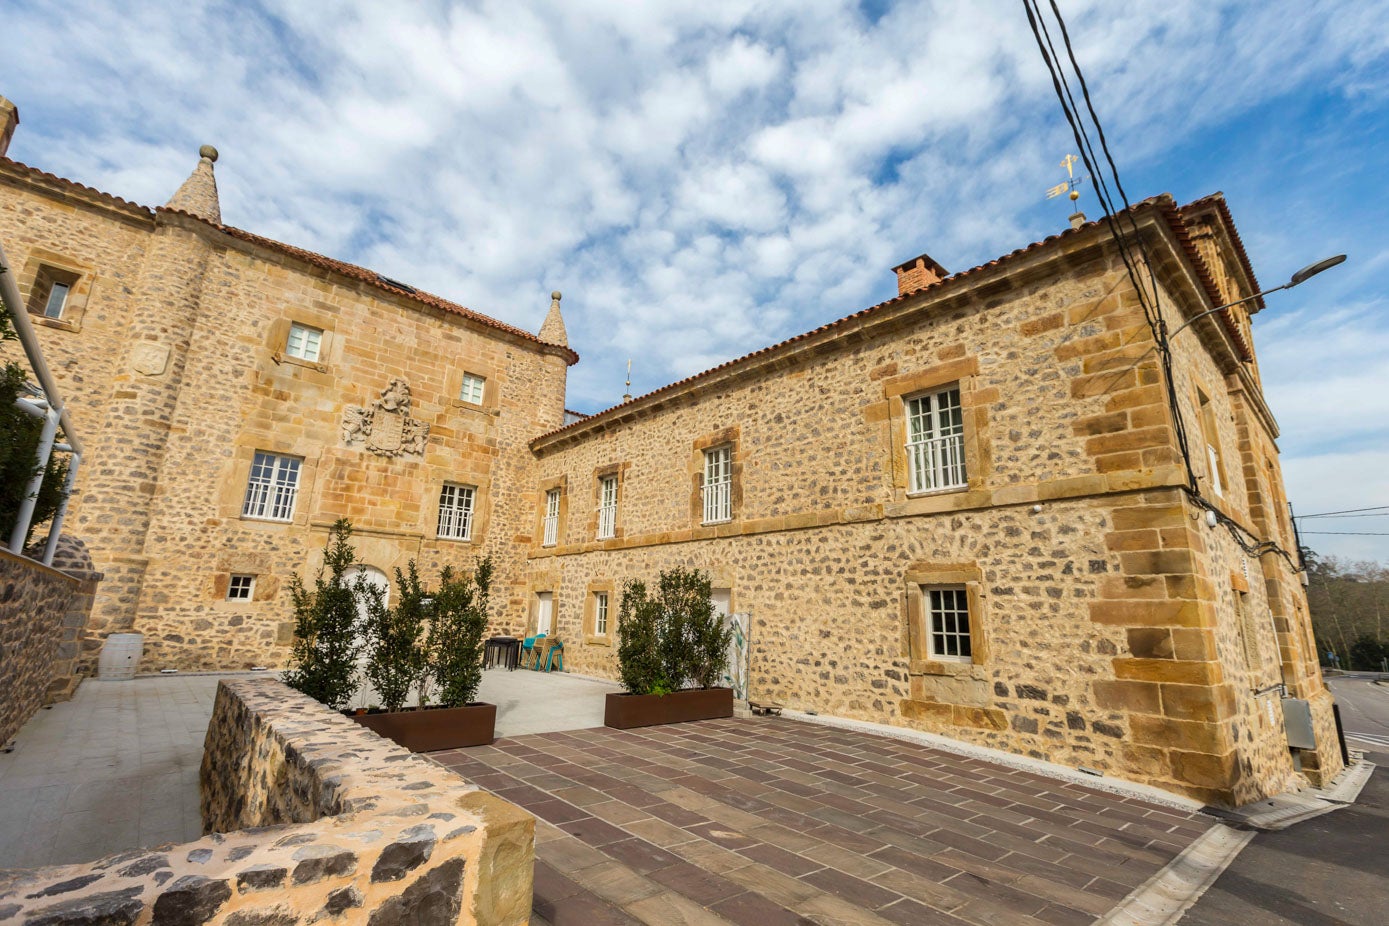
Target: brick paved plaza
[{"x": 772, "y": 821}]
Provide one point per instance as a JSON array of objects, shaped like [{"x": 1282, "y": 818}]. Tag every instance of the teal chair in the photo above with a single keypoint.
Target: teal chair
[
  {"x": 527, "y": 650},
  {"x": 557, "y": 649}
]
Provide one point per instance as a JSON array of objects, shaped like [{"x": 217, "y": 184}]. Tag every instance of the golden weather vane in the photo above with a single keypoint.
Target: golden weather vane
[{"x": 1072, "y": 181}]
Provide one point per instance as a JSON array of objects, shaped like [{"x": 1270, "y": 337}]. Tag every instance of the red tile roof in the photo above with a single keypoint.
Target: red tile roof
[
  {"x": 1166, "y": 207},
  {"x": 342, "y": 268}
]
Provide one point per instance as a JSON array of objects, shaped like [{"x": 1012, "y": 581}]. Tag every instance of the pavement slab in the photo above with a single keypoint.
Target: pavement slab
[{"x": 775, "y": 821}]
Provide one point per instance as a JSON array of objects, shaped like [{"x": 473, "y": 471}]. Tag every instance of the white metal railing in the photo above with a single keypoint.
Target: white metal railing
[
  {"x": 551, "y": 519},
  {"x": 937, "y": 463},
  {"x": 718, "y": 501},
  {"x": 51, "y": 408},
  {"x": 607, "y": 509}
]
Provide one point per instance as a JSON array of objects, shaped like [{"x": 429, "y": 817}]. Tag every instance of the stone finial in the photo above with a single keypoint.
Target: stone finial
[
  {"x": 198, "y": 195},
  {"x": 552, "y": 331},
  {"x": 9, "y": 119}
]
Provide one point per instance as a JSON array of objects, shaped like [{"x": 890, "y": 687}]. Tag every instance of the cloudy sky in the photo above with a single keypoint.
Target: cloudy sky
[{"x": 703, "y": 179}]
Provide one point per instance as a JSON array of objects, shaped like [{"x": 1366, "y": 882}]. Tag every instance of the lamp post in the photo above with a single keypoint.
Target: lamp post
[{"x": 1302, "y": 276}]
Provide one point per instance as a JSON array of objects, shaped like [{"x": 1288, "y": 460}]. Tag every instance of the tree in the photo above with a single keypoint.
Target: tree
[
  {"x": 672, "y": 640},
  {"x": 397, "y": 658},
  {"x": 456, "y": 633},
  {"x": 20, "y": 433},
  {"x": 323, "y": 657}
]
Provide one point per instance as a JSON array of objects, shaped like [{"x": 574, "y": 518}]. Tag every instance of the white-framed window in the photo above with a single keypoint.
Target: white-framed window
[
  {"x": 472, "y": 388},
  {"x": 600, "y": 614},
  {"x": 936, "y": 441},
  {"x": 947, "y": 624},
  {"x": 456, "y": 512},
  {"x": 272, "y": 487},
  {"x": 551, "y": 518},
  {"x": 718, "y": 484},
  {"x": 241, "y": 588},
  {"x": 304, "y": 342},
  {"x": 57, "y": 300},
  {"x": 607, "y": 507}
]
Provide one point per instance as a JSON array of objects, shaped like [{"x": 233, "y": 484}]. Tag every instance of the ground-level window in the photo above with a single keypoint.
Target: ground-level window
[
  {"x": 551, "y": 536},
  {"x": 936, "y": 441},
  {"x": 456, "y": 512},
  {"x": 241, "y": 588},
  {"x": 607, "y": 507},
  {"x": 718, "y": 484},
  {"x": 472, "y": 389},
  {"x": 947, "y": 624},
  {"x": 272, "y": 487},
  {"x": 600, "y": 614},
  {"x": 304, "y": 342}
]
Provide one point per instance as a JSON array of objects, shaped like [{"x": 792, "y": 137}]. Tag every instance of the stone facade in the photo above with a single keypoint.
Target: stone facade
[
  {"x": 1109, "y": 624},
  {"x": 34, "y": 601},
  {"x": 310, "y": 817}
]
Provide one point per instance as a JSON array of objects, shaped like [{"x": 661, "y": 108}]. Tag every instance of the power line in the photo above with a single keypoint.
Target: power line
[
  {"x": 1348, "y": 511},
  {"x": 1349, "y": 533}
]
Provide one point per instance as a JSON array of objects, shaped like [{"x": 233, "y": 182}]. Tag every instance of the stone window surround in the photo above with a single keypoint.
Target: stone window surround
[
  {"x": 79, "y": 278},
  {"x": 491, "y": 389},
  {"x": 915, "y": 635},
  {"x": 329, "y": 348},
  {"x": 899, "y": 390},
  {"x": 730, "y": 437},
  {"x": 546, "y": 486},
  {"x": 233, "y": 498},
  {"x": 619, "y": 472},
  {"x": 591, "y": 637}
]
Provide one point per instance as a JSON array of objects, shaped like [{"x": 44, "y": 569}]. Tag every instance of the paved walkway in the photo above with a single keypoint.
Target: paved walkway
[
  {"x": 112, "y": 769},
  {"x": 772, "y": 821}
]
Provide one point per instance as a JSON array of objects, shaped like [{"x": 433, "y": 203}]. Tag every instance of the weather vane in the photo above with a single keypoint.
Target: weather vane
[{"x": 1072, "y": 181}]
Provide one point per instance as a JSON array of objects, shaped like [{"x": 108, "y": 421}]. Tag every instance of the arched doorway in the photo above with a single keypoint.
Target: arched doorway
[{"x": 366, "y": 695}]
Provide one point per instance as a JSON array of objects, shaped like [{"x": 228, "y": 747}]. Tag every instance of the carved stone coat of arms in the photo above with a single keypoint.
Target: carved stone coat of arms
[{"x": 385, "y": 426}]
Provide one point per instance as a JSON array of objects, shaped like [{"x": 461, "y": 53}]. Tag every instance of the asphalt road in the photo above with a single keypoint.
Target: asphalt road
[{"x": 1332, "y": 870}]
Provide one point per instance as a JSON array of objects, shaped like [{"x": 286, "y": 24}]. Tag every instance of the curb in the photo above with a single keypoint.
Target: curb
[
  {"x": 1165, "y": 897},
  {"x": 1283, "y": 810}
]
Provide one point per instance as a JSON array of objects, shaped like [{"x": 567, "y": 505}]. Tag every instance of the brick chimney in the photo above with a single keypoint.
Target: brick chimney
[
  {"x": 918, "y": 273},
  {"x": 9, "y": 118}
]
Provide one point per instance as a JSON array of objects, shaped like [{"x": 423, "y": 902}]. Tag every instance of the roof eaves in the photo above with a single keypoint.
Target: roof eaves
[
  {"x": 1177, "y": 221},
  {"x": 54, "y": 179}
]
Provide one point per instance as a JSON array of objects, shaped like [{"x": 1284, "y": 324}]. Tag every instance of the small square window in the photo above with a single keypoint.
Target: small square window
[
  {"x": 57, "y": 300},
  {"x": 52, "y": 291},
  {"x": 241, "y": 588},
  {"x": 304, "y": 342},
  {"x": 472, "y": 389},
  {"x": 456, "y": 512},
  {"x": 272, "y": 487},
  {"x": 947, "y": 624}
]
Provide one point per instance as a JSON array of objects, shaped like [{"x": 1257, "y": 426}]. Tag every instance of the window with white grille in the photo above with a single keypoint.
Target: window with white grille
[
  {"x": 607, "y": 507},
  {"x": 471, "y": 392},
  {"x": 304, "y": 342},
  {"x": 718, "y": 484},
  {"x": 936, "y": 441},
  {"x": 272, "y": 487},
  {"x": 551, "y": 518},
  {"x": 456, "y": 512},
  {"x": 241, "y": 588},
  {"x": 600, "y": 614},
  {"x": 947, "y": 624}
]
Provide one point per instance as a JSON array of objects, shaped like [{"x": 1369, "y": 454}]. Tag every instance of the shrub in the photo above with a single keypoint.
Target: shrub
[
  {"x": 674, "y": 639},
  {"x": 397, "y": 658},
  {"x": 456, "y": 633},
  {"x": 323, "y": 658},
  {"x": 19, "y": 443}
]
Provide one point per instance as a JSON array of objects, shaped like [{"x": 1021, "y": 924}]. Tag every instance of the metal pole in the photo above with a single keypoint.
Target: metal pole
[
  {"x": 31, "y": 493},
  {"x": 56, "y": 527}
]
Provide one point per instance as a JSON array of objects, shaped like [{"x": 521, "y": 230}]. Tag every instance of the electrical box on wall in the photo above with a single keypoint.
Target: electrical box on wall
[{"x": 1297, "y": 722}]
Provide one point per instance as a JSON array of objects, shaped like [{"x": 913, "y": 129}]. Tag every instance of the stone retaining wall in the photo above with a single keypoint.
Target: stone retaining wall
[
  {"x": 33, "y": 602},
  {"x": 311, "y": 818}
]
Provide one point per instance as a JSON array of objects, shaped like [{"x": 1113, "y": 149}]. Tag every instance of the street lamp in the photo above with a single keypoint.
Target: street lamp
[{"x": 1302, "y": 276}]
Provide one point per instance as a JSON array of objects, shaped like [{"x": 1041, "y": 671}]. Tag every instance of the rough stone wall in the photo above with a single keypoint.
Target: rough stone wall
[
  {"x": 33, "y": 602},
  {"x": 174, "y": 365},
  {"x": 348, "y": 827}
]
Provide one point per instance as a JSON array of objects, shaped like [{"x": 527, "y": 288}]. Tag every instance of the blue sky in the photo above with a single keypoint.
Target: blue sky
[{"x": 705, "y": 179}]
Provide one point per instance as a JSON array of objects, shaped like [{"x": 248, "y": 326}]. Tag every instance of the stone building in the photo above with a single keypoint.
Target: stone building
[{"x": 983, "y": 509}]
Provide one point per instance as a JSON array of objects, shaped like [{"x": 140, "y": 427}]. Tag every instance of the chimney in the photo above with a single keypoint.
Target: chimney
[
  {"x": 9, "y": 118},
  {"x": 918, "y": 273}
]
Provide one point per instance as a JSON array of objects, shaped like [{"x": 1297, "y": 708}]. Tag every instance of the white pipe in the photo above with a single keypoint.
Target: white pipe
[
  {"x": 56, "y": 528},
  {"x": 31, "y": 493}
]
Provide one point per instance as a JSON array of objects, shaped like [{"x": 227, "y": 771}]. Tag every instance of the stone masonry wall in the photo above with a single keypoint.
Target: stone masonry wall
[
  {"x": 33, "y": 602},
  {"x": 343, "y": 825}
]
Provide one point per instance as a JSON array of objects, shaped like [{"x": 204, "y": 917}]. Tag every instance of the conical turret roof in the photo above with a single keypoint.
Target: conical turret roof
[
  {"x": 198, "y": 195},
  {"x": 553, "y": 330}
]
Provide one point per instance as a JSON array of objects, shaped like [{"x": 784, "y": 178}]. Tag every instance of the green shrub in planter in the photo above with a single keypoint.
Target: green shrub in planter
[
  {"x": 674, "y": 640},
  {"x": 397, "y": 658},
  {"x": 457, "y": 628},
  {"x": 323, "y": 657},
  {"x": 638, "y": 631}
]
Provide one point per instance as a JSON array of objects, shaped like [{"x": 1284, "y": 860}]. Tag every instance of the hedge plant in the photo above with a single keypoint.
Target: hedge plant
[
  {"x": 674, "y": 639},
  {"x": 323, "y": 657},
  {"x": 19, "y": 443}
]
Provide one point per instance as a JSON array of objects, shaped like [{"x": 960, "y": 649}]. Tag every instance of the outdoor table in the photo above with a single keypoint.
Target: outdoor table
[{"x": 502, "y": 651}]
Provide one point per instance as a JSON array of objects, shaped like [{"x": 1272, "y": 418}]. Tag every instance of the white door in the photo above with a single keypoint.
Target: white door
[
  {"x": 366, "y": 696},
  {"x": 544, "y": 612},
  {"x": 722, "y": 597}
]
